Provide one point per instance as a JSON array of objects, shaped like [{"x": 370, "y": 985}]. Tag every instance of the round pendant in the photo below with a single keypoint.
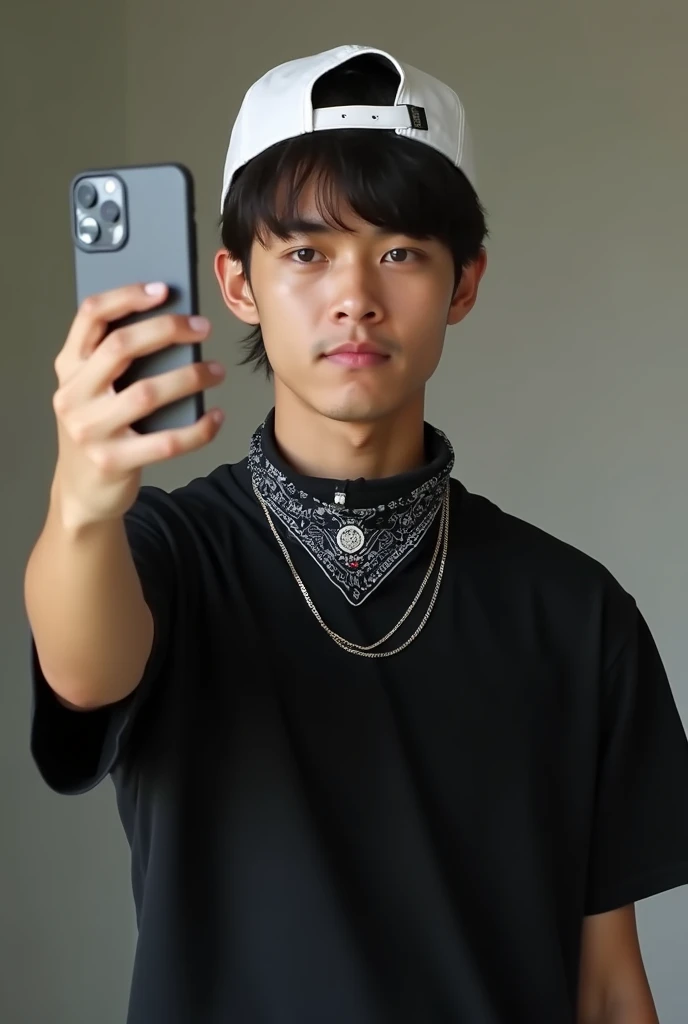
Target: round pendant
[{"x": 350, "y": 539}]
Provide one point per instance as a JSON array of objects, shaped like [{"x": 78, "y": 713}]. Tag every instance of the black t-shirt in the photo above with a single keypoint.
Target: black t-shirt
[{"x": 319, "y": 837}]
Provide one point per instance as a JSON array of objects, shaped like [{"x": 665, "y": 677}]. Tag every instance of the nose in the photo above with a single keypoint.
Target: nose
[{"x": 355, "y": 299}]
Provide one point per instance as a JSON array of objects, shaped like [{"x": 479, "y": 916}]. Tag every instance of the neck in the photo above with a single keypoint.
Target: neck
[{"x": 318, "y": 446}]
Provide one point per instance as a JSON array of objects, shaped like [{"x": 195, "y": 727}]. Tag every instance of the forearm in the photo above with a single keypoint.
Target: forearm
[
  {"x": 631, "y": 1014},
  {"x": 92, "y": 628},
  {"x": 638, "y": 1009}
]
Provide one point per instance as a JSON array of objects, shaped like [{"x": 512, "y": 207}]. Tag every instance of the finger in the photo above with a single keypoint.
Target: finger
[
  {"x": 122, "y": 455},
  {"x": 120, "y": 348},
  {"x": 109, "y": 414},
  {"x": 94, "y": 316}
]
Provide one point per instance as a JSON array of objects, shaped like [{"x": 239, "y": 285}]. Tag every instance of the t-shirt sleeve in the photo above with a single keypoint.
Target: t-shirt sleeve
[
  {"x": 75, "y": 749},
  {"x": 640, "y": 833}
]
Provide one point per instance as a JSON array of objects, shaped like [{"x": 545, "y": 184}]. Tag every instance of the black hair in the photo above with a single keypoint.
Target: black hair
[{"x": 390, "y": 181}]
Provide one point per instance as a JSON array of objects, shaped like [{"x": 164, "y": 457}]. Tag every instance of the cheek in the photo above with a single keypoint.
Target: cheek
[
  {"x": 423, "y": 324},
  {"x": 424, "y": 297},
  {"x": 421, "y": 309},
  {"x": 288, "y": 320},
  {"x": 427, "y": 355},
  {"x": 289, "y": 302}
]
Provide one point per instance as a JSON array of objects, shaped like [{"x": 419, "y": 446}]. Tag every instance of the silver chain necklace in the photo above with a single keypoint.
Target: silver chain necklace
[{"x": 349, "y": 645}]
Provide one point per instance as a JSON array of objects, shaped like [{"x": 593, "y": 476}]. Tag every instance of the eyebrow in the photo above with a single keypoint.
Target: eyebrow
[{"x": 304, "y": 226}]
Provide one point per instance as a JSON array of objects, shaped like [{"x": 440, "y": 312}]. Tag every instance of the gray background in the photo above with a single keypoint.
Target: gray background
[{"x": 564, "y": 391}]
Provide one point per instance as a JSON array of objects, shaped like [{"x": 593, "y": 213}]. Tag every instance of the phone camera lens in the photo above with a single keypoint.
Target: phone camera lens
[
  {"x": 110, "y": 211},
  {"x": 89, "y": 230},
  {"x": 86, "y": 195}
]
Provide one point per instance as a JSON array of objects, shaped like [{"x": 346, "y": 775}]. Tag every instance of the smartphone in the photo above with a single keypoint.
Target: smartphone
[{"x": 132, "y": 224}]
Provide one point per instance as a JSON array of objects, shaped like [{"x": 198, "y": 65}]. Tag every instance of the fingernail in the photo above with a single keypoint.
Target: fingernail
[
  {"x": 217, "y": 415},
  {"x": 199, "y": 323},
  {"x": 216, "y": 369},
  {"x": 155, "y": 288}
]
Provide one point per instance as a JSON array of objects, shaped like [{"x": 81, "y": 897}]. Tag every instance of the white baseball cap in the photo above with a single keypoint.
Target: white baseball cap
[{"x": 279, "y": 106}]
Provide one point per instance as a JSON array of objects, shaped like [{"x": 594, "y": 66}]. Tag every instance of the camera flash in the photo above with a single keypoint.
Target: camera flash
[{"x": 110, "y": 186}]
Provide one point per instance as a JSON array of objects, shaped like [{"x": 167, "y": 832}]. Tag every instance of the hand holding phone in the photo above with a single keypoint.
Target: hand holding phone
[
  {"x": 134, "y": 224},
  {"x": 100, "y": 455}
]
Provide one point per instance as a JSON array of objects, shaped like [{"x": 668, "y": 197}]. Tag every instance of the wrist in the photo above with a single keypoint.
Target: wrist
[{"x": 73, "y": 518}]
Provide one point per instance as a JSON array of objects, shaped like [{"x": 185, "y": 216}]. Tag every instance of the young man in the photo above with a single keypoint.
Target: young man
[{"x": 383, "y": 752}]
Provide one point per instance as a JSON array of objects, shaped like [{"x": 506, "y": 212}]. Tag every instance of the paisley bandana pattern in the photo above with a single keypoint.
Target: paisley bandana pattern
[{"x": 329, "y": 531}]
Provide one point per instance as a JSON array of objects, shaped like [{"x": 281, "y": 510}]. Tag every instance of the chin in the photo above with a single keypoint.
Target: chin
[
  {"x": 356, "y": 408},
  {"x": 361, "y": 399}
]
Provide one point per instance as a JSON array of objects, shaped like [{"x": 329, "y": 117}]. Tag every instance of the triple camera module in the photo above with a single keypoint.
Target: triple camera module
[{"x": 100, "y": 212}]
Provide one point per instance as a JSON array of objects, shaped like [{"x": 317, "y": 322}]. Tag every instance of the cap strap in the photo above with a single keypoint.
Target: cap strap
[{"x": 360, "y": 116}]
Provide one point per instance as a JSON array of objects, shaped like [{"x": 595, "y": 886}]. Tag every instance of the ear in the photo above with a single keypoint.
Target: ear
[
  {"x": 467, "y": 289},
  {"x": 234, "y": 287}
]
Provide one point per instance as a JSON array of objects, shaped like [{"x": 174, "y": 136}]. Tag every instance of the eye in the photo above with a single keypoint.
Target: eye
[
  {"x": 308, "y": 255},
  {"x": 401, "y": 255}
]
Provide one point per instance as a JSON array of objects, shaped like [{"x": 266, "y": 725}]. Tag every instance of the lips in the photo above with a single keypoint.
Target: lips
[{"x": 357, "y": 354}]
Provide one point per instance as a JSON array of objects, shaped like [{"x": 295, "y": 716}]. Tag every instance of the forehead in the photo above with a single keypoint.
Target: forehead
[
  {"x": 318, "y": 205},
  {"x": 315, "y": 204}
]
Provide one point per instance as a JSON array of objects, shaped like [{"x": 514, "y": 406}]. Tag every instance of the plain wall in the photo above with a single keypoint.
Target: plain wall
[
  {"x": 66, "y": 929},
  {"x": 563, "y": 391}
]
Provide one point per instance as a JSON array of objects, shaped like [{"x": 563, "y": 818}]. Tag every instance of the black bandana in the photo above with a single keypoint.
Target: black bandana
[{"x": 356, "y": 531}]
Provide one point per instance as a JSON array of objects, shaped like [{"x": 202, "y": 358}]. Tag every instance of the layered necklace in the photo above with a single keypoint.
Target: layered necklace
[{"x": 357, "y": 548}]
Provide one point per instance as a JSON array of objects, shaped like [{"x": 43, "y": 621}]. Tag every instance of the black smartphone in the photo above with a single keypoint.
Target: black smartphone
[{"x": 132, "y": 224}]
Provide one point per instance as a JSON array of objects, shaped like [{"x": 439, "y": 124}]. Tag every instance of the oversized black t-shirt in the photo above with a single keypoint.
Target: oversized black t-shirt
[{"x": 320, "y": 837}]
